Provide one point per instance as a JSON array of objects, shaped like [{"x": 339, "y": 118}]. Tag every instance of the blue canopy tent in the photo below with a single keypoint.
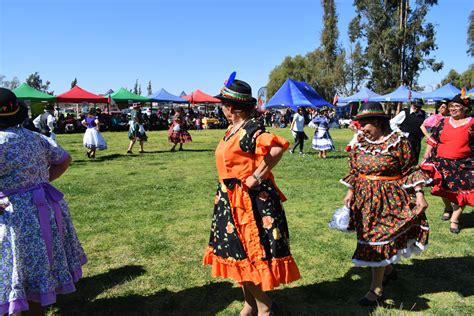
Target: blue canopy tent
[
  {"x": 448, "y": 91},
  {"x": 295, "y": 93},
  {"x": 165, "y": 96},
  {"x": 365, "y": 94},
  {"x": 402, "y": 94}
]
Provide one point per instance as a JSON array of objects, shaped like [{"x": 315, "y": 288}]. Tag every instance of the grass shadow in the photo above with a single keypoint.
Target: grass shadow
[
  {"x": 422, "y": 277},
  {"x": 88, "y": 288},
  {"x": 330, "y": 297},
  {"x": 208, "y": 299}
]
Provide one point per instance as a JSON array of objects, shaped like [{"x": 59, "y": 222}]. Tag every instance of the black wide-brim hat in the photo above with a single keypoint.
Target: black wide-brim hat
[
  {"x": 461, "y": 99},
  {"x": 12, "y": 110},
  {"x": 371, "y": 110},
  {"x": 237, "y": 92}
]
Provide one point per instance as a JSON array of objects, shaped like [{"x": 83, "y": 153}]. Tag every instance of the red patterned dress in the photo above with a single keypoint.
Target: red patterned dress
[
  {"x": 450, "y": 164},
  {"x": 383, "y": 210}
]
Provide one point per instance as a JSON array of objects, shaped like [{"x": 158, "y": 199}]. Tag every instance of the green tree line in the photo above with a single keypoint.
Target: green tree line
[{"x": 391, "y": 43}]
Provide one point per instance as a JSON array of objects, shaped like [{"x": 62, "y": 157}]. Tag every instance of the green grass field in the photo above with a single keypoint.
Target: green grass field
[{"x": 144, "y": 223}]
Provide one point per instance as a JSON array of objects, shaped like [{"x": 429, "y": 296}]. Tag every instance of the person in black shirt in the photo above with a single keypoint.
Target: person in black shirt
[{"x": 409, "y": 121}]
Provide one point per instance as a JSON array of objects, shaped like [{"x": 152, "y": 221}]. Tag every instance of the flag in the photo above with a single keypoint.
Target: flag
[{"x": 336, "y": 98}]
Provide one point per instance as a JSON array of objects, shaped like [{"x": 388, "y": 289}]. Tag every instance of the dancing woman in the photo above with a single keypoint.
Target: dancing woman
[
  {"x": 386, "y": 200},
  {"x": 93, "y": 139},
  {"x": 249, "y": 240}
]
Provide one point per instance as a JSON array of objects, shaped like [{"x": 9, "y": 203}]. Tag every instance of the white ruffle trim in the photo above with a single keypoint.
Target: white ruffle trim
[
  {"x": 412, "y": 185},
  {"x": 380, "y": 141},
  {"x": 373, "y": 152},
  {"x": 346, "y": 184},
  {"x": 413, "y": 248}
]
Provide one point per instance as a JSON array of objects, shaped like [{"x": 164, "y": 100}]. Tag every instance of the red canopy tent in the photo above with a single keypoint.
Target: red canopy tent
[
  {"x": 200, "y": 97},
  {"x": 78, "y": 95}
]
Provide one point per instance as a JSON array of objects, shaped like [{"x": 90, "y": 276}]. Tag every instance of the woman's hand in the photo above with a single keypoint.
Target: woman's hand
[
  {"x": 348, "y": 198},
  {"x": 421, "y": 204},
  {"x": 251, "y": 182}
]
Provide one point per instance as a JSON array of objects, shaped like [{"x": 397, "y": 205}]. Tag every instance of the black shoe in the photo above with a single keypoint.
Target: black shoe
[
  {"x": 129, "y": 152},
  {"x": 378, "y": 301},
  {"x": 446, "y": 215},
  {"x": 454, "y": 230},
  {"x": 389, "y": 277}
]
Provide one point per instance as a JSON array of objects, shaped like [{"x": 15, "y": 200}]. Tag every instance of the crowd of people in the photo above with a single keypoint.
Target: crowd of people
[{"x": 249, "y": 238}]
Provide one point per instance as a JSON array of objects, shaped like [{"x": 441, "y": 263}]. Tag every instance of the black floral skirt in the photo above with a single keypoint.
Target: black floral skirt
[{"x": 452, "y": 179}]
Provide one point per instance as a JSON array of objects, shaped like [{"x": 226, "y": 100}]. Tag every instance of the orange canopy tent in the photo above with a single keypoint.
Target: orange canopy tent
[
  {"x": 200, "y": 97},
  {"x": 79, "y": 95}
]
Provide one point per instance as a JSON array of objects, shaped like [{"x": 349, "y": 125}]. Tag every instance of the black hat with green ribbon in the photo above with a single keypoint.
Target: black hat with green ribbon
[
  {"x": 371, "y": 110},
  {"x": 236, "y": 92}
]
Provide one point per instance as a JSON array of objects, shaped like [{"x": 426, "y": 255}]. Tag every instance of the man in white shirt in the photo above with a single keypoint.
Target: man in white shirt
[
  {"x": 297, "y": 128},
  {"x": 409, "y": 121},
  {"x": 45, "y": 122}
]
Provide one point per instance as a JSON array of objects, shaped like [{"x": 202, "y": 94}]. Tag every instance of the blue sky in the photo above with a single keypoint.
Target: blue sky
[{"x": 184, "y": 44}]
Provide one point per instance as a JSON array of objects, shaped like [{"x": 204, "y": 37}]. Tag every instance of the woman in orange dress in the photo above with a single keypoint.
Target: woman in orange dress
[{"x": 249, "y": 240}]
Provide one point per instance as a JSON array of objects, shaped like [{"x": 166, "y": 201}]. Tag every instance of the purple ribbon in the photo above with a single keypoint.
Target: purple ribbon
[{"x": 44, "y": 194}]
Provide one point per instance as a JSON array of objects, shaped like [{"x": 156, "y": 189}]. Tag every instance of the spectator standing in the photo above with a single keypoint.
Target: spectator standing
[{"x": 409, "y": 121}]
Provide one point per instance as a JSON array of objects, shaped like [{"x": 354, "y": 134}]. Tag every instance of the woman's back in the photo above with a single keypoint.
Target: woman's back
[{"x": 25, "y": 157}]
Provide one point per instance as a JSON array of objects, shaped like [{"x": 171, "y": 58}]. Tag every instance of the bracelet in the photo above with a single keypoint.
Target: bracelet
[
  {"x": 432, "y": 142},
  {"x": 257, "y": 178},
  {"x": 420, "y": 191}
]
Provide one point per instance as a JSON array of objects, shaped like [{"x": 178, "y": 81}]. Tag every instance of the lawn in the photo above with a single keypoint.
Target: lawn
[{"x": 144, "y": 223}]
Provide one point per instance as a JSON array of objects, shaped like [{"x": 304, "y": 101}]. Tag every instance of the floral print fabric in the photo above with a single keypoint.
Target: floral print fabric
[
  {"x": 383, "y": 212},
  {"x": 25, "y": 271}
]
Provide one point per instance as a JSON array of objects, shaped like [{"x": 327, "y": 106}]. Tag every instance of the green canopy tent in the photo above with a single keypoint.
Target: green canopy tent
[
  {"x": 123, "y": 97},
  {"x": 34, "y": 98}
]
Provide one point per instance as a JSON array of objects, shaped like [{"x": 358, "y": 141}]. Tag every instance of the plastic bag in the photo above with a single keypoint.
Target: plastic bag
[{"x": 340, "y": 219}]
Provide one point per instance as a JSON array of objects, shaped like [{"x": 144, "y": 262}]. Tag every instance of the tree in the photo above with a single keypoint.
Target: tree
[
  {"x": 291, "y": 67},
  {"x": 135, "y": 88},
  {"x": 149, "y": 89},
  {"x": 357, "y": 65},
  {"x": 324, "y": 68},
  {"x": 470, "y": 35},
  {"x": 34, "y": 80},
  {"x": 74, "y": 83},
  {"x": 9, "y": 84},
  {"x": 398, "y": 40},
  {"x": 466, "y": 79}
]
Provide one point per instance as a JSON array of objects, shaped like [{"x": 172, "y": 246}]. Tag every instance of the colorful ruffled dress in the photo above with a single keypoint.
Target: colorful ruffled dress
[
  {"x": 93, "y": 139},
  {"x": 383, "y": 210},
  {"x": 450, "y": 164},
  {"x": 249, "y": 240},
  {"x": 178, "y": 134},
  {"x": 136, "y": 130},
  {"x": 40, "y": 254},
  {"x": 322, "y": 139}
]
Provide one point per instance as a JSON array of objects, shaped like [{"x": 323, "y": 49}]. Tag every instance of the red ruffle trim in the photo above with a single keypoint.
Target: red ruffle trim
[
  {"x": 460, "y": 198},
  {"x": 267, "y": 274}
]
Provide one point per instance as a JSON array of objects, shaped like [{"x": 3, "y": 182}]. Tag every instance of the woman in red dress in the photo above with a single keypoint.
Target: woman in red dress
[
  {"x": 385, "y": 197},
  {"x": 450, "y": 150},
  {"x": 249, "y": 240}
]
